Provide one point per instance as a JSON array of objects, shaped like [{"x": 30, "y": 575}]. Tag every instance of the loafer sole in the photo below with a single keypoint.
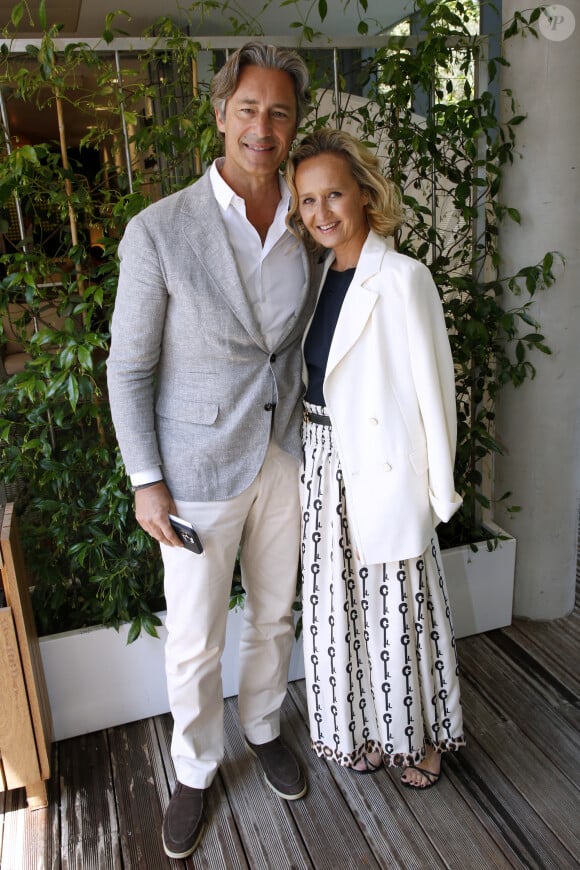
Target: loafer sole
[
  {"x": 292, "y": 796},
  {"x": 186, "y": 852},
  {"x": 283, "y": 795}
]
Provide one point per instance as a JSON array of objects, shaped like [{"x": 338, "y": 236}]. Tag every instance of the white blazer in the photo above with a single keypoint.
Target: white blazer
[{"x": 390, "y": 393}]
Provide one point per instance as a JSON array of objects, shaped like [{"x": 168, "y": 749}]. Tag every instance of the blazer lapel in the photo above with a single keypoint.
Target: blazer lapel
[
  {"x": 359, "y": 301},
  {"x": 356, "y": 310},
  {"x": 210, "y": 245},
  {"x": 211, "y": 248}
]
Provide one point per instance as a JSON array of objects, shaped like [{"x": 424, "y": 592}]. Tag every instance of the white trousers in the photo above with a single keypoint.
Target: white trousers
[{"x": 264, "y": 523}]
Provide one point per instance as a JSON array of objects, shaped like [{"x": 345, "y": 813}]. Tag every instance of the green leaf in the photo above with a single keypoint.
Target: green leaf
[
  {"x": 16, "y": 14},
  {"x": 134, "y": 631},
  {"x": 73, "y": 391},
  {"x": 150, "y": 624},
  {"x": 547, "y": 264},
  {"x": 42, "y": 14},
  {"x": 85, "y": 357}
]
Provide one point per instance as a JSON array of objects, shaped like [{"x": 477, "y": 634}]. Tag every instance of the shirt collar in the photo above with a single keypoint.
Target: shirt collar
[{"x": 225, "y": 196}]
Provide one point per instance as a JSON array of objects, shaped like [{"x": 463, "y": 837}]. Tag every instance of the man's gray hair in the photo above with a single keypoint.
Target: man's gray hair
[{"x": 225, "y": 81}]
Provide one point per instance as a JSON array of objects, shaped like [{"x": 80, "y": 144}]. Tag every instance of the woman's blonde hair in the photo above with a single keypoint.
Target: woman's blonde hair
[{"x": 384, "y": 210}]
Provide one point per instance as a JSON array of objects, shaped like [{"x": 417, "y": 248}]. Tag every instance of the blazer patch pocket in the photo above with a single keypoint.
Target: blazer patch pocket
[{"x": 203, "y": 413}]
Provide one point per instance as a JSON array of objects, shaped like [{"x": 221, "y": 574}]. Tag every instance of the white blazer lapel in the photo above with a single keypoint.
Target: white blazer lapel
[
  {"x": 356, "y": 310},
  {"x": 359, "y": 301}
]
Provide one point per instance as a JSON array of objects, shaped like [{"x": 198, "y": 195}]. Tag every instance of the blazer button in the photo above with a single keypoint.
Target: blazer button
[
  {"x": 272, "y": 357},
  {"x": 268, "y": 406},
  {"x": 373, "y": 421},
  {"x": 387, "y": 466}
]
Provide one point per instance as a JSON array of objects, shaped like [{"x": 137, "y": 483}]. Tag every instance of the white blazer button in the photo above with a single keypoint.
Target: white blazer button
[
  {"x": 373, "y": 421},
  {"x": 388, "y": 467}
]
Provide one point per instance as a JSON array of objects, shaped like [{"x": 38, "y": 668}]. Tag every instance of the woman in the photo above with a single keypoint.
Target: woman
[{"x": 379, "y": 443}]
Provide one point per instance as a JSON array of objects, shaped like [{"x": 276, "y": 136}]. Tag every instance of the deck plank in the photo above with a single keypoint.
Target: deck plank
[
  {"x": 548, "y": 791},
  {"x": 381, "y": 817},
  {"x": 267, "y": 829},
  {"x": 508, "y": 800},
  {"x": 221, "y": 845},
  {"x": 522, "y": 701},
  {"x": 501, "y": 773},
  {"x": 559, "y": 688},
  {"x": 138, "y": 801},
  {"x": 33, "y": 838},
  {"x": 416, "y": 829},
  {"x": 14, "y": 841},
  {"x": 324, "y": 811},
  {"x": 496, "y": 801},
  {"x": 548, "y": 644},
  {"x": 89, "y": 831}
]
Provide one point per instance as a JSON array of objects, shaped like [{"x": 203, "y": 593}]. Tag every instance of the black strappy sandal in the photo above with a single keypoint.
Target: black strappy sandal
[
  {"x": 369, "y": 766},
  {"x": 433, "y": 778}
]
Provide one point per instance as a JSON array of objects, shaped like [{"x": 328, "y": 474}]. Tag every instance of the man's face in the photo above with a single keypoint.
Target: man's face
[{"x": 259, "y": 124}]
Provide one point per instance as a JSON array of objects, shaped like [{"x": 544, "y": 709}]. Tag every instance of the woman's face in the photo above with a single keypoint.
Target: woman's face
[{"x": 332, "y": 206}]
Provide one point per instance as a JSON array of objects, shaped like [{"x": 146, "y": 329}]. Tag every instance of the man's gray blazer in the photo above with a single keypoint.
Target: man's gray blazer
[{"x": 191, "y": 383}]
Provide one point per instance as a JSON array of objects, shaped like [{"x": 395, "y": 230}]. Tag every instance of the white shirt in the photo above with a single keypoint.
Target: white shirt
[{"x": 270, "y": 273}]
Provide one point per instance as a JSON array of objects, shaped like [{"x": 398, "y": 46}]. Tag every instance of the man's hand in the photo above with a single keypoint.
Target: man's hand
[{"x": 152, "y": 505}]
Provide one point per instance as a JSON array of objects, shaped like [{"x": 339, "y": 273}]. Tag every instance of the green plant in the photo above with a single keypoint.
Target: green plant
[{"x": 89, "y": 560}]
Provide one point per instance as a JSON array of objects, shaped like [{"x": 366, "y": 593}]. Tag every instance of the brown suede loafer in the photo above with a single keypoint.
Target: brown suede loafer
[
  {"x": 281, "y": 770},
  {"x": 183, "y": 822}
]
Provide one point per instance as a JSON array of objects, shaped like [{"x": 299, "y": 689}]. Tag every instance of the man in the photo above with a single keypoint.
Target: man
[{"x": 205, "y": 389}]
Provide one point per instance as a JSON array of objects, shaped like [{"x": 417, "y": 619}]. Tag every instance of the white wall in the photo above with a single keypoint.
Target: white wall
[{"x": 539, "y": 422}]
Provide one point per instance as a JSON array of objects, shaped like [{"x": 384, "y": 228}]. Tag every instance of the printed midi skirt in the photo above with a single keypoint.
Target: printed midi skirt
[{"x": 379, "y": 650}]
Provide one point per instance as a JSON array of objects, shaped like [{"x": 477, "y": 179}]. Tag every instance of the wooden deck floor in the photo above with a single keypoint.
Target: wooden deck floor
[{"x": 510, "y": 799}]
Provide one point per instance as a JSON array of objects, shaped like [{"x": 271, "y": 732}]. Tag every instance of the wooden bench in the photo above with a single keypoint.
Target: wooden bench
[{"x": 25, "y": 722}]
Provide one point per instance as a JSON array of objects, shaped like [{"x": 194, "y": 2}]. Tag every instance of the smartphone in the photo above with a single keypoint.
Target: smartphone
[{"x": 187, "y": 534}]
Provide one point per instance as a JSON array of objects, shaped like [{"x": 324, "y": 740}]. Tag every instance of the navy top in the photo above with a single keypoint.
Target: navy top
[{"x": 319, "y": 338}]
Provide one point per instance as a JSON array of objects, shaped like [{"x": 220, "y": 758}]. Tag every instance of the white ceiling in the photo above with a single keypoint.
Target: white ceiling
[{"x": 86, "y": 18}]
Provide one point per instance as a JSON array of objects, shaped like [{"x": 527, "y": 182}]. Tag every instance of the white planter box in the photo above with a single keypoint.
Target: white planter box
[
  {"x": 481, "y": 585},
  {"x": 95, "y": 680}
]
